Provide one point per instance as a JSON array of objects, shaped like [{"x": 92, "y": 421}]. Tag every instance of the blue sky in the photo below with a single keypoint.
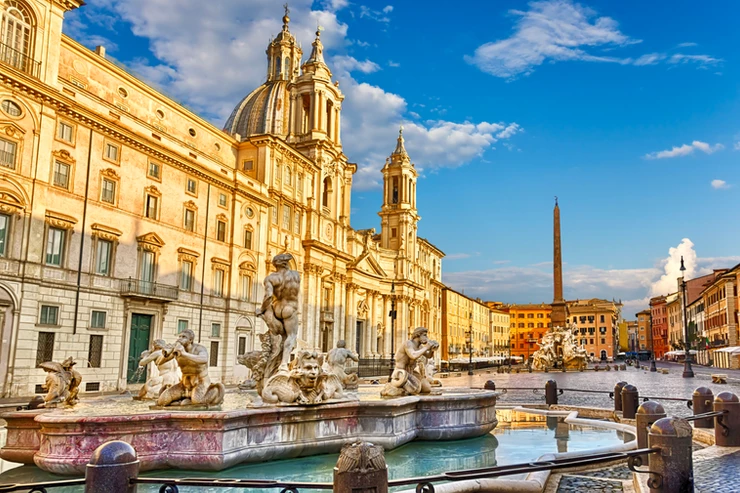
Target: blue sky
[{"x": 627, "y": 111}]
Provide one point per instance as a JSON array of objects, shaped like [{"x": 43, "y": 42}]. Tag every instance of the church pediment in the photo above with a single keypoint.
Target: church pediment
[{"x": 367, "y": 263}]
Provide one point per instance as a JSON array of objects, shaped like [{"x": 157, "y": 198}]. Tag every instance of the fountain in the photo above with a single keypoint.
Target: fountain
[
  {"x": 559, "y": 349},
  {"x": 296, "y": 408},
  {"x": 62, "y": 383}
]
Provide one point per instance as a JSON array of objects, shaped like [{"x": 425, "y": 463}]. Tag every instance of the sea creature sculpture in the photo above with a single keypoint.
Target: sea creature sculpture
[
  {"x": 305, "y": 383},
  {"x": 406, "y": 378}
]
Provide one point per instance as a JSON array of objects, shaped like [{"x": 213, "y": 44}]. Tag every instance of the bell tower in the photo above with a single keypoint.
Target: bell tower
[
  {"x": 283, "y": 54},
  {"x": 398, "y": 214}
]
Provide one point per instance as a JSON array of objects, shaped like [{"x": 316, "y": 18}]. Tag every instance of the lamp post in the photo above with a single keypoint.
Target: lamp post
[
  {"x": 652, "y": 345},
  {"x": 392, "y": 314},
  {"x": 470, "y": 347},
  {"x": 687, "y": 371}
]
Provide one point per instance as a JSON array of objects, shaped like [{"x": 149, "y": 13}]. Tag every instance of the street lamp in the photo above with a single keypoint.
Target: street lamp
[
  {"x": 392, "y": 314},
  {"x": 687, "y": 371},
  {"x": 652, "y": 345},
  {"x": 470, "y": 347}
]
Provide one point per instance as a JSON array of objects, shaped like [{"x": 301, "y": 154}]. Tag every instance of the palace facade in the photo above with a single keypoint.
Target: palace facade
[{"x": 125, "y": 217}]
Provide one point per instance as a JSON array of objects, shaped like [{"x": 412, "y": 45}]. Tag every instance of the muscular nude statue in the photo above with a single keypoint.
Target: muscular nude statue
[
  {"x": 336, "y": 361},
  {"x": 168, "y": 376},
  {"x": 279, "y": 307},
  {"x": 406, "y": 378},
  {"x": 195, "y": 386}
]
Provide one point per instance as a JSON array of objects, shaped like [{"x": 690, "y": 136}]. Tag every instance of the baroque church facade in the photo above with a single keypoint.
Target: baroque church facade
[{"x": 125, "y": 217}]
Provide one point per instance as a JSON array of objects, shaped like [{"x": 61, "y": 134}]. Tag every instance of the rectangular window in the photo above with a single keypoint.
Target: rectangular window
[
  {"x": 213, "y": 357},
  {"x": 4, "y": 234},
  {"x": 155, "y": 170},
  {"x": 7, "y": 153},
  {"x": 111, "y": 152},
  {"x": 152, "y": 204},
  {"x": 192, "y": 186},
  {"x": 218, "y": 282},
  {"x": 97, "y": 319},
  {"x": 222, "y": 199},
  {"x": 182, "y": 325},
  {"x": 287, "y": 214},
  {"x": 248, "y": 239},
  {"x": 299, "y": 183},
  {"x": 45, "y": 348},
  {"x": 242, "y": 345},
  {"x": 147, "y": 266},
  {"x": 247, "y": 165},
  {"x": 64, "y": 132},
  {"x": 61, "y": 175},
  {"x": 103, "y": 256},
  {"x": 215, "y": 330},
  {"x": 273, "y": 214},
  {"x": 221, "y": 231},
  {"x": 49, "y": 315},
  {"x": 327, "y": 298},
  {"x": 186, "y": 275},
  {"x": 394, "y": 233},
  {"x": 297, "y": 223},
  {"x": 55, "y": 246},
  {"x": 602, "y": 318},
  {"x": 189, "y": 219},
  {"x": 246, "y": 285},
  {"x": 95, "y": 352},
  {"x": 108, "y": 191}
]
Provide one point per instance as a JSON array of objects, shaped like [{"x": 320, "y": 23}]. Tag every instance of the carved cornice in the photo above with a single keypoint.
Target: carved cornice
[
  {"x": 187, "y": 255},
  {"x": 10, "y": 130},
  {"x": 59, "y": 220},
  {"x": 151, "y": 242},
  {"x": 10, "y": 204},
  {"x": 247, "y": 267},
  {"x": 190, "y": 205},
  {"x": 220, "y": 262},
  {"x": 105, "y": 232},
  {"x": 222, "y": 217},
  {"x": 151, "y": 189},
  {"x": 110, "y": 173},
  {"x": 63, "y": 155}
]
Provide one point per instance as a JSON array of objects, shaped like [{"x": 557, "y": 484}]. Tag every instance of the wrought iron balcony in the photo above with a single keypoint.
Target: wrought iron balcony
[
  {"x": 19, "y": 60},
  {"x": 135, "y": 288},
  {"x": 718, "y": 343}
]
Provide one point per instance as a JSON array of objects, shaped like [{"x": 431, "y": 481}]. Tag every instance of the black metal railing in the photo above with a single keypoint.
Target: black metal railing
[
  {"x": 19, "y": 60},
  {"x": 373, "y": 367},
  {"x": 146, "y": 289}
]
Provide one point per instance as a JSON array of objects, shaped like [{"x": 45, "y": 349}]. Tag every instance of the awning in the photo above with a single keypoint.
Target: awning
[
  {"x": 679, "y": 353},
  {"x": 731, "y": 350}
]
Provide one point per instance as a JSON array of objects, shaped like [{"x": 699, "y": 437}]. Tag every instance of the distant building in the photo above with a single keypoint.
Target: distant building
[
  {"x": 628, "y": 336},
  {"x": 462, "y": 316},
  {"x": 659, "y": 325},
  {"x": 644, "y": 339},
  {"x": 500, "y": 326},
  {"x": 596, "y": 321},
  {"x": 527, "y": 325},
  {"x": 721, "y": 319}
]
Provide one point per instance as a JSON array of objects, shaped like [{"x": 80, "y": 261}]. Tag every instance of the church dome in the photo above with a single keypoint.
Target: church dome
[{"x": 265, "y": 110}]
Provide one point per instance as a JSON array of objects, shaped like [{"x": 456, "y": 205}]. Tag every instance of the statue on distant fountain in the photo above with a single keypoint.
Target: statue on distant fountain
[
  {"x": 306, "y": 383},
  {"x": 169, "y": 372},
  {"x": 558, "y": 347},
  {"x": 195, "y": 387},
  {"x": 407, "y": 379},
  {"x": 335, "y": 364},
  {"x": 62, "y": 383}
]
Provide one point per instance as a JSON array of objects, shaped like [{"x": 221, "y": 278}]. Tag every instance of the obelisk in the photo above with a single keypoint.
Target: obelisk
[{"x": 558, "y": 303}]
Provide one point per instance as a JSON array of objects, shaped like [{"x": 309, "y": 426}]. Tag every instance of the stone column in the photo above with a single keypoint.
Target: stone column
[
  {"x": 338, "y": 138},
  {"x": 314, "y": 110},
  {"x": 558, "y": 303}
]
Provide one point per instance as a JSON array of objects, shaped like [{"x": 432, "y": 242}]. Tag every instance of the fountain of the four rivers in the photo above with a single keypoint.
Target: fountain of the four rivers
[{"x": 299, "y": 408}]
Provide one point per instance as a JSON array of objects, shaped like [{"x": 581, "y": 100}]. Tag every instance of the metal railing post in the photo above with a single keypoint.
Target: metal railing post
[
  {"x": 702, "y": 403},
  {"x": 618, "y": 395},
  {"x": 361, "y": 467},
  {"x": 727, "y": 426},
  {"x": 630, "y": 401},
  {"x": 671, "y": 469},
  {"x": 647, "y": 414},
  {"x": 551, "y": 392},
  {"x": 111, "y": 468}
]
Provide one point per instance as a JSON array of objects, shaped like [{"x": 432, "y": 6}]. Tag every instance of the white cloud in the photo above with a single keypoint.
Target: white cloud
[
  {"x": 350, "y": 64},
  {"x": 376, "y": 15},
  {"x": 555, "y": 30},
  {"x": 737, "y": 146},
  {"x": 561, "y": 30},
  {"x": 685, "y": 150},
  {"x": 388, "y": 9},
  {"x": 687, "y": 45},
  {"x": 391, "y": 63},
  {"x": 720, "y": 184}
]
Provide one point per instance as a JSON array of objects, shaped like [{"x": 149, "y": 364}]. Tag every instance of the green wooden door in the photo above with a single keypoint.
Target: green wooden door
[{"x": 141, "y": 326}]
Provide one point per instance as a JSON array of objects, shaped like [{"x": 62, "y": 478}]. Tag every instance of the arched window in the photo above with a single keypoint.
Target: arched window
[
  {"x": 287, "y": 67},
  {"x": 288, "y": 176},
  {"x": 327, "y": 192},
  {"x": 16, "y": 35},
  {"x": 279, "y": 65}
]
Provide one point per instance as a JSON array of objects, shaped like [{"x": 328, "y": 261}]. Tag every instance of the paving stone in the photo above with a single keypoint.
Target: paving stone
[
  {"x": 617, "y": 472},
  {"x": 718, "y": 474},
  {"x": 579, "y": 484}
]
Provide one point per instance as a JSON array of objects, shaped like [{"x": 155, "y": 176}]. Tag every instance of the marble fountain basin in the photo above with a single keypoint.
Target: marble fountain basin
[{"x": 61, "y": 441}]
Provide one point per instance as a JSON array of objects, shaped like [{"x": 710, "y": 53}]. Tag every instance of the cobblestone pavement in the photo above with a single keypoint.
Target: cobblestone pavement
[
  {"x": 618, "y": 472},
  {"x": 580, "y": 484},
  {"x": 672, "y": 385},
  {"x": 714, "y": 474}
]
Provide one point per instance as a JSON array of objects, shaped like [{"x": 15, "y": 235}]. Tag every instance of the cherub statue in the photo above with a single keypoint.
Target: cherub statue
[
  {"x": 62, "y": 383},
  {"x": 335, "y": 364},
  {"x": 305, "y": 384},
  {"x": 169, "y": 372}
]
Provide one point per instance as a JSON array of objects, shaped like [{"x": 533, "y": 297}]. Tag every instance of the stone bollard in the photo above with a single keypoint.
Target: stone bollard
[
  {"x": 702, "y": 403},
  {"x": 490, "y": 385},
  {"x": 647, "y": 414},
  {"x": 618, "y": 395},
  {"x": 630, "y": 401},
  {"x": 674, "y": 462},
  {"x": 727, "y": 427},
  {"x": 361, "y": 467},
  {"x": 111, "y": 468},
  {"x": 551, "y": 392}
]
